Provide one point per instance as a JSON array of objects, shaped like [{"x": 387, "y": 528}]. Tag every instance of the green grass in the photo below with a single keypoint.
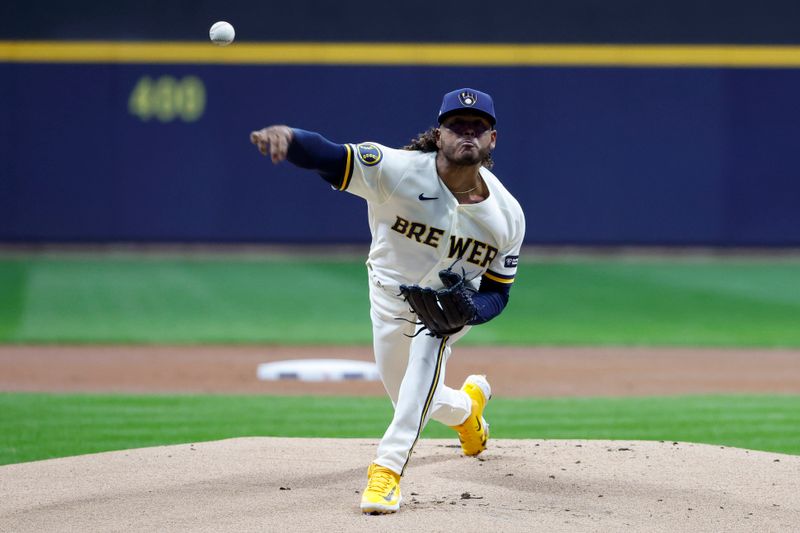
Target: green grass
[
  {"x": 289, "y": 301},
  {"x": 41, "y": 426},
  {"x": 183, "y": 301}
]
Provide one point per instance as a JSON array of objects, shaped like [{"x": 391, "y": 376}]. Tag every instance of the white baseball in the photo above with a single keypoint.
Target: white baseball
[{"x": 222, "y": 33}]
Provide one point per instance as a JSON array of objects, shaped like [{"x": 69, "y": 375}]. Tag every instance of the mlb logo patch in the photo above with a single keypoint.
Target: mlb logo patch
[{"x": 511, "y": 261}]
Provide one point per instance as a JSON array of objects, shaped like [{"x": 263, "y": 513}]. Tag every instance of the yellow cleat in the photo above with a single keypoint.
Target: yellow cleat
[
  {"x": 474, "y": 431},
  {"x": 382, "y": 494}
]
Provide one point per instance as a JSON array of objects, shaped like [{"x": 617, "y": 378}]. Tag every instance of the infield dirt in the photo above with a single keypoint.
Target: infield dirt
[{"x": 539, "y": 371}]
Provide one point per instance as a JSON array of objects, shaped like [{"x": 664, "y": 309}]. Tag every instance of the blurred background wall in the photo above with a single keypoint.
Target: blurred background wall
[{"x": 661, "y": 151}]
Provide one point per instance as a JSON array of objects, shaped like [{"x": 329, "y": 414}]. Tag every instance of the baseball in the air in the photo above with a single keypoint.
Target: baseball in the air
[{"x": 222, "y": 33}]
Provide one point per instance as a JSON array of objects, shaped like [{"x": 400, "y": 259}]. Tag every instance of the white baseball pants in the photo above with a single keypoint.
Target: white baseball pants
[{"x": 412, "y": 371}]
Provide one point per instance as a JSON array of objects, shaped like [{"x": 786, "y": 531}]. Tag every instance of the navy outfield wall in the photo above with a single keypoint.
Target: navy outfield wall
[
  {"x": 695, "y": 148},
  {"x": 520, "y": 21},
  {"x": 146, "y": 152}
]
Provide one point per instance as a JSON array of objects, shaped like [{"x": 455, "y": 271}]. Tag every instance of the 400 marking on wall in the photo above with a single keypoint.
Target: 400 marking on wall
[{"x": 167, "y": 98}]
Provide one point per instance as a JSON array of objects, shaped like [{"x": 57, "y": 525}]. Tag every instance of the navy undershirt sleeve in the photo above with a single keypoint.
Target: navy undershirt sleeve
[
  {"x": 490, "y": 301},
  {"x": 313, "y": 151}
]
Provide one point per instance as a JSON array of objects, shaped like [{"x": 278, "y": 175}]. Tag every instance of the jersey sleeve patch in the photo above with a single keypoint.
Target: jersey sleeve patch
[
  {"x": 348, "y": 168},
  {"x": 511, "y": 261},
  {"x": 369, "y": 155},
  {"x": 499, "y": 278}
]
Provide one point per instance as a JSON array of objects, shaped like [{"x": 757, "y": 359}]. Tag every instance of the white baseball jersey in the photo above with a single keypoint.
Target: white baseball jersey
[{"x": 418, "y": 227}]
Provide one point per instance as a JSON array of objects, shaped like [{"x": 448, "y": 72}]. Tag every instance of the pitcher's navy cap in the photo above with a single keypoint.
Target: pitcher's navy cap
[{"x": 467, "y": 100}]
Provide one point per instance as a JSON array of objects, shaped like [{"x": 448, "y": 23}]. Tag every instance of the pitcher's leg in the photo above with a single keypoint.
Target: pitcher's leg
[
  {"x": 391, "y": 348},
  {"x": 391, "y": 338},
  {"x": 417, "y": 397},
  {"x": 451, "y": 406}
]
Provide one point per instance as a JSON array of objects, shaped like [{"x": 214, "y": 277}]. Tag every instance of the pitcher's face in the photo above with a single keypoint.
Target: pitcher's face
[{"x": 466, "y": 139}]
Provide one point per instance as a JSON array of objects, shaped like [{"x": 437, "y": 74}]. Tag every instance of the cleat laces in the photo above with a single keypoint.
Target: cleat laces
[{"x": 380, "y": 482}]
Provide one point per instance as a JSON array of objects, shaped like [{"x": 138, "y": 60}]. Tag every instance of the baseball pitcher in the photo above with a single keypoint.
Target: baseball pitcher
[{"x": 446, "y": 236}]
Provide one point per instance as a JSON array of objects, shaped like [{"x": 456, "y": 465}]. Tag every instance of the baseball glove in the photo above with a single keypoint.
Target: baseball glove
[{"x": 442, "y": 311}]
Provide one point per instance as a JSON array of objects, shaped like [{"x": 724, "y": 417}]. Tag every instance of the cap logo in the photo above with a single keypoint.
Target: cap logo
[{"x": 467, "y": 98}]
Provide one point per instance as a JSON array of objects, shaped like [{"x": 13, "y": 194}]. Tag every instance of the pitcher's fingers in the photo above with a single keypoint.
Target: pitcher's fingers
[
  {"x": 275, "y": 147},
  {"x": 257, "y": 138},
  {"x": 283, "y": 147}
]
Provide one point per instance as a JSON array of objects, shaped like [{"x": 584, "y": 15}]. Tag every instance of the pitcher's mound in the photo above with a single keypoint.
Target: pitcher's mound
[{"x": 271, "y": 484}]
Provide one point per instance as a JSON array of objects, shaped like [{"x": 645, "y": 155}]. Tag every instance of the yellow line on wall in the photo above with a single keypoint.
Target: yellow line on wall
[{"x": 409, "y": 54}]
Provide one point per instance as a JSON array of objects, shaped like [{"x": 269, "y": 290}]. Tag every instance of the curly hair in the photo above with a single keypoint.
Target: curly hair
[{"x": 426, "y": 142}]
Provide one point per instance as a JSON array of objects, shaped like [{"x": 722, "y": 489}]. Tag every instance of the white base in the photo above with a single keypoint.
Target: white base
[{"x": 318, "y": 370}]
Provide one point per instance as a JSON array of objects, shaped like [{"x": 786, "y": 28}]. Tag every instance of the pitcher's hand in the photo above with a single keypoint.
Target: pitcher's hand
[{"x": 273, "y": 141}]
